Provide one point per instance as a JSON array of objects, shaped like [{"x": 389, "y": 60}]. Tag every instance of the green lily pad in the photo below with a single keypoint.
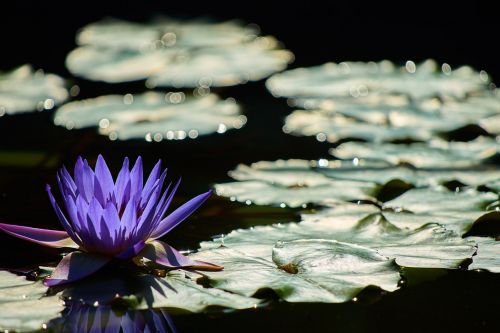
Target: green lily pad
[
  {"x": 23, "y": 304},
  {"x": 431, "y": 245},
  {"x": 334, "y": 127},
  {"x": 440, "y": 200},
  {"x": 433, "y": 114},
  {"x": 338, "y": 104},
  {"x": 304, "y": 270},
  {"x": 417, "y": 177},
  {"x": 435, "y": 154},
  {"x": 487, "y": 254},
  {"x": 173, "y": 53},
  {"x": 164, "y": 32},
  {"x": 224, "y": 66},
  {"x": 290, "y": 183},
  {"x": 357, "y": 79},
  {"x": 152, "y": 116},
  {"x": 175, "y": 291},
  {"x": 25, "y": 90},
  {"x": 114, "y": 65},
  {"x": 458, "y": 222}
]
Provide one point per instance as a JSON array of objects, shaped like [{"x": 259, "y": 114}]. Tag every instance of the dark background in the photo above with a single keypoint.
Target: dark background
[
  {"x": 42, "y": 33},
  {"x": 464, "y": 32}
]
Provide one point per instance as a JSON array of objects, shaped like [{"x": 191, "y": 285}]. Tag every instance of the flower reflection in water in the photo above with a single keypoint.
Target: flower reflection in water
[{"x": 80, "y": 318}]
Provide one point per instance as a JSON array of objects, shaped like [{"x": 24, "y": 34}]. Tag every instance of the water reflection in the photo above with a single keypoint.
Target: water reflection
[{"x": 81, "y": 318}]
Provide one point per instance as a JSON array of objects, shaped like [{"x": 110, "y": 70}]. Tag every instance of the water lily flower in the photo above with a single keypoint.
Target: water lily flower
[{"x": 106, "y": 220}]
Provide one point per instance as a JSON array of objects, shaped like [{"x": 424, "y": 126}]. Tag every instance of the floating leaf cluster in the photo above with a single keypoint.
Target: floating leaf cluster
[
  {"x": 381, "y": 102},
  {"x": 26, "y": 90},
  {"x": 172, "y": 53},
  {"x": 408, "y": 192},
  {"x": 153, "y": 116}
]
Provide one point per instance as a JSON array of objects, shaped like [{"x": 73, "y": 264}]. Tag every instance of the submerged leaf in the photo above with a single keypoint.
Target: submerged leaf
[
  {"x": 152, "y": 116},
  {"x": 23, "y": 304},
  {"x": 304, "y": 270}
]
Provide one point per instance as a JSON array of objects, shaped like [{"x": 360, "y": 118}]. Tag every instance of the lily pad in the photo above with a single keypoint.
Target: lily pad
[
  {"x": 224, "y": 66},
  {"x": 338, "y": 104},
  {"x": 172, "y": 53},
  {"x": 334, "y": 127},
  {"x": 487, "y": 254},
  {"x": 458, "y": 222},
  {"x": 430, "y": 246},
  {"x": 416, "y": 177},
  {"x": 296, "y": 182},
  {"x": 435, "y": 154},
  {"x": 304, "y": 270},
  {"x": 25, "y": 90},
  {"x": 114, "y": 65},
  {"x": 398, "y": 111},
  {"x": 291, "y": 183},
  {"x": 152, "y": 116},
  {"x": 175, "y": 291},
  {"x": 23, "y": 304},
  {"x": 164, "y": 32},
  {"x": 361, "y": 79},
  {"x": 440, "y": 200}
]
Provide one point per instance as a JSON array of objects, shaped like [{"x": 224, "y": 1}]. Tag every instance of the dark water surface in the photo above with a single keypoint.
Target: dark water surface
[{"x": 430, "y": 300}]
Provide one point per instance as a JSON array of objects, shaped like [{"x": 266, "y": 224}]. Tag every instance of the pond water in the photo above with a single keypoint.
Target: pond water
[
  {"x": 431, "y": 299},
  {"x": 423, "y": 297}
]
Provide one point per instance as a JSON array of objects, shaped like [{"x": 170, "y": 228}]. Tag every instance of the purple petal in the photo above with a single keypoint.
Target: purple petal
[
  {"x": 165, "y": 255},
  {"x": 112, "y": 219},
  {"x": 68, "y": 181},
  {"x": 179, "y": 215},
  {"x": 163, "y": 205},
  {"x": 145, "y": 222},
  {"x": 46, "y": 237},
  {"x": 73, "y": 213},
  {"x": 122, "y": 181},
  {"x": 133, "y": 251},
  {"x": 170, "y": 197},
  {"x": 136, "y": 179},
  {"x": 99, "y": 192},
  {"x": 67, "y": 226},
  {"x": 104, "y": 175},
  {"x": 64, "y": 187},
  {"x": 84, "y": 179},
  {"x": 153, "y": 177},
  {"x": 129, "y": 217},
  {"x": 95, "y": 211},
  {"x": 105, "y": 236},
  {"x": 75, "y": 266}
]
